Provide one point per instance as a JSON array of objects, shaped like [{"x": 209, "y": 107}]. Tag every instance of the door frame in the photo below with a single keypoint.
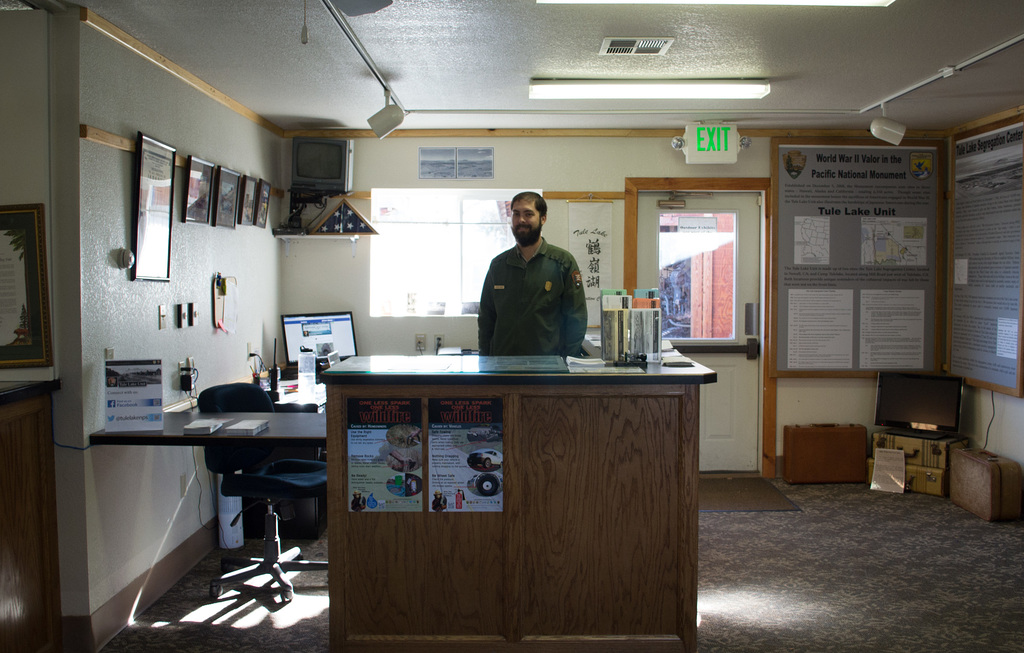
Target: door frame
[{"x": 634, "y": 185}]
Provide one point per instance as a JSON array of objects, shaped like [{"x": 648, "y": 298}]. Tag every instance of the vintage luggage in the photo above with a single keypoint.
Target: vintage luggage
[
  {"x": 986, "y": 484},
  {"x": 824, "y": 453},
  {"x": 919, "y": 451},
  {"x": 922, "y": 480}
]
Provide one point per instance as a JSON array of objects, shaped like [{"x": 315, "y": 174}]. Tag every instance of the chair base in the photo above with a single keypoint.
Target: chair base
[{"x": 273, "y": 562}]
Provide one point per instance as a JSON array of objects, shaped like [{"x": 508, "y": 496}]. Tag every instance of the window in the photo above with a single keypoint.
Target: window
[
  {"x": 696, "y": 261},
  {"x": 434, "y": 248}
]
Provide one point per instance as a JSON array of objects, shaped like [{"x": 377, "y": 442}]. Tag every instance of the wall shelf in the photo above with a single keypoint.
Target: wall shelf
[{"x": 288, "y": 239}]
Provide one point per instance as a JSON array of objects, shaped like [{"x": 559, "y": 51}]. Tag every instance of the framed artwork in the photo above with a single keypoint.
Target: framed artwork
[
  {"x": 153, "y": 201},
  {"x": 343, "y": 220},
  {"x": 474, "y": 163},
  {"x": 198, "y": 191},
  {"x": 247, "y": 200},
  {"x": 437, "y": 163},
  {"x": 224, "y": 212},
  {"x": 25, "y": 311},
  {"x": 262, "y": 209}
]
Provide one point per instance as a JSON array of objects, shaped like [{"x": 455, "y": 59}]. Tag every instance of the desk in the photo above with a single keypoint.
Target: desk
[
  {"x": 284, "y": 430},
  {"x": 293, "y": 435},
  {"x": 595, "y": 548}
]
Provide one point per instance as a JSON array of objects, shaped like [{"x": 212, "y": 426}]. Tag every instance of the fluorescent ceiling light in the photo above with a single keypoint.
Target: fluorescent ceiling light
[
  {"x": 795, "y": 3},
  {"x": 649, "y": 89}
]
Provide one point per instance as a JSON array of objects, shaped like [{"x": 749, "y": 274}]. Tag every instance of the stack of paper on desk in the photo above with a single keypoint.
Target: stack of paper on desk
[
  {"x": 247, "y": 427},
  {"x": 204, "y": 426}
]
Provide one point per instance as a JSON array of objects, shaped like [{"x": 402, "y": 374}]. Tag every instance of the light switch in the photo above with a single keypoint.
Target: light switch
[
  {"x": 163, "y": 316},
  {"x": 182, "y": 316},
  {"x": 193, "y": 314}
]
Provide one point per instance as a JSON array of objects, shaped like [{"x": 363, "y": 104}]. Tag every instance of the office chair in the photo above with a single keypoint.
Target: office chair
[{"x": 275, "y": 482}]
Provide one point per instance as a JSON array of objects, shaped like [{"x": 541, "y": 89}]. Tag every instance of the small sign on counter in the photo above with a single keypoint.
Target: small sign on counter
[{"x": 134, "y": 396}]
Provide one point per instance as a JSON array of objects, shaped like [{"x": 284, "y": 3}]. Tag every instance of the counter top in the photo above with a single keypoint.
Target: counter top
[
  {"x": 510, "y": 370},
  {"x": 12, "y": 391}
]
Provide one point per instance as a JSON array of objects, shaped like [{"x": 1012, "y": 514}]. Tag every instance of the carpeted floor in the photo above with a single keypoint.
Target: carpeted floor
[{"x": 852, "y": 571}]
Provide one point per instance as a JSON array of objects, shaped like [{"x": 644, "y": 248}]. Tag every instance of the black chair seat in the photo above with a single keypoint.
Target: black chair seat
[{"x": 281, "y": 479}]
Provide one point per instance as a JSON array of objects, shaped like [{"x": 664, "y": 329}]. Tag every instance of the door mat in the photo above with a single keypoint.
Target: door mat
[{"x": 740, "y": 493}]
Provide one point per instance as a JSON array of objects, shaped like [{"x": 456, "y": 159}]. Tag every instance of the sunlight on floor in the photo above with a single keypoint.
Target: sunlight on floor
[
  {"x": 230, "y": 610},
  {"x": 757, "y": 607}
]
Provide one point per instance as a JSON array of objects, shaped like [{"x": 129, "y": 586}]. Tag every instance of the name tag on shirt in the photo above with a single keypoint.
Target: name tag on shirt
[{"x": 499, "y": 287}]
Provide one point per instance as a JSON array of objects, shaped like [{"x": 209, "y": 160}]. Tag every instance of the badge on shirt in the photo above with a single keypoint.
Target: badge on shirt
[
  {"x": 499, "y": 287},
  {"x": 547, "y": 285},
  {"x": 577, "y": 278}
]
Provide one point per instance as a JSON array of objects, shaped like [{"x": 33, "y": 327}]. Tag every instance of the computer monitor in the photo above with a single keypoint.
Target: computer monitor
[
  {"x": 320, "y": 333},
  {"x": 923, "y": 403}
]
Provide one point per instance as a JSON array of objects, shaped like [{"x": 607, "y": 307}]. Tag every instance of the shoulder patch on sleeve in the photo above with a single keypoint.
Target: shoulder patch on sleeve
[{"x": 577, "y": 278}]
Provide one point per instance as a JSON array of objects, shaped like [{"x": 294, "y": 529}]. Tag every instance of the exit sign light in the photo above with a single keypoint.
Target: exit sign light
[{"x": 711, "y": 143}]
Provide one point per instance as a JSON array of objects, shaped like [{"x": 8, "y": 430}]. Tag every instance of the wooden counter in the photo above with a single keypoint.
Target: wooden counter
[{"x": 596, "y": 544}]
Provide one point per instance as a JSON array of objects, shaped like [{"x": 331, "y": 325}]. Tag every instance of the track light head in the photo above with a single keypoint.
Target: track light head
[
  {"x": 888, "y": 130},
  {"x": 386, "y": 120}
]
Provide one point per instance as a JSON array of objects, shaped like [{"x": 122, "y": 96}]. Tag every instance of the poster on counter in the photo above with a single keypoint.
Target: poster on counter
[
  {"x": 385, "y": 455},
  {"x": 466, "y": 455},
  {"x": 134, "y": 396}
]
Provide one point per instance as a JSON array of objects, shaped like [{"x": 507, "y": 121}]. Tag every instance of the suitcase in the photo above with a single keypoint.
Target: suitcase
[
  {"x": 985, "y": 484},
  {"x": 919, "y": 451},
  {"x": 824, "y": 453},
  {"x": 921, "y": 480}
]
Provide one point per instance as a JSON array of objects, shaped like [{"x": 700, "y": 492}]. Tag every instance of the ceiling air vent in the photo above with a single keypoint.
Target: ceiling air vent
[{"x": 645, "y": 45}]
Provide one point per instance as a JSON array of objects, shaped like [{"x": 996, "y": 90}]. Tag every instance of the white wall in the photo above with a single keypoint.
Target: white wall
[
  {"x": 319, "y": 275},
  {"x": 120, "y": 507}
]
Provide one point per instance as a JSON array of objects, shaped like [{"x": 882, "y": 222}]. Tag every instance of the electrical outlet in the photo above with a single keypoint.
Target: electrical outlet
[
  {"x": 108, "y": 354},
  {"x": 438, "y": 342},
  {"x": 421, "y": 342}
]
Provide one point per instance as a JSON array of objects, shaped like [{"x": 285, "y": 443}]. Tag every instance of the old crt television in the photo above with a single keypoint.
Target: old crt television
[
  {"x": 320, "y": 333},
  {"x": 927, "y": 404},
  {"x": 321, "y": 166}
]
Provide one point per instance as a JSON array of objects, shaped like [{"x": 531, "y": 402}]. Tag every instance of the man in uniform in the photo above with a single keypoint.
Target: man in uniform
[{"x": 532, "y": 302}]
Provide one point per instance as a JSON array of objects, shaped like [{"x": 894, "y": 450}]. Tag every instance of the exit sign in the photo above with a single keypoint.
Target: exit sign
[{"x": 711, "y": 143}]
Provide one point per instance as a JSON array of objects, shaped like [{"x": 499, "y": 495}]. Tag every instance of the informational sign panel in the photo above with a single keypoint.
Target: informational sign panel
[
  {"x": 856, "y": 255},
  {"x": 385, "y": 455},
  {"x": 466, "y": 455},
  {"x": 134, "y": 396},
  {"x": 986, "y": 267},
  {"x": 590, "y": 228}
]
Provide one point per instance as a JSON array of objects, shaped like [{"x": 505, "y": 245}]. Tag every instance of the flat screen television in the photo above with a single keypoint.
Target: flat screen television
[
  {"x": 320, "y": 333},
  {"x": 925, "y": 403},
  {"x": 321, "y": 165}
]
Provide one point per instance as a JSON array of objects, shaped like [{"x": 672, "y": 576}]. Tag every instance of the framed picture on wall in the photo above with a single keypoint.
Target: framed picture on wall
[
  {"x": 153, "y": 201},
  {"x": 198, "y": 190},
  {"x": 247, "y": 200},
  {"x": 227, "y": 197},
  {"x": 25, "y": 311},
  {"x": 262, "y": 209}
]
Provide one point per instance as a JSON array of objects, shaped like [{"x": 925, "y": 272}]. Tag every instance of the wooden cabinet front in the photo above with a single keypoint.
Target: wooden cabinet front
[
  {"x": 29, "y": 574},
  {"x": 596, "y": 545}
]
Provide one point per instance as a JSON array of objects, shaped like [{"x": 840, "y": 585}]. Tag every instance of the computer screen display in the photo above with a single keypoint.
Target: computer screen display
[
  {"x": 922, "y": 402},
  {"x": 320, "y": 333}
]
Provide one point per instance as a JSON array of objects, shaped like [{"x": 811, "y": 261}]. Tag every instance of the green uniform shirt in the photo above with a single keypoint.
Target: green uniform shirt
[{"x": 532, "y": 308}]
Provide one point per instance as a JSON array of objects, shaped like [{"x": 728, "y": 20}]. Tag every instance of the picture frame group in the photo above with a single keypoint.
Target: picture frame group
[{"x": 222, "y": 197}]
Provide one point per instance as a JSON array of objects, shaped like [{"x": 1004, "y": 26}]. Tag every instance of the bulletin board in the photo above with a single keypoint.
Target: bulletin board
[
  {"x": 985, "y": 322},
  {"x": 855, "y": 257}
]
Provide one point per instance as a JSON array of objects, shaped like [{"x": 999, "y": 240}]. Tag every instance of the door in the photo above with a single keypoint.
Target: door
[{"x": 707, "y": 261}]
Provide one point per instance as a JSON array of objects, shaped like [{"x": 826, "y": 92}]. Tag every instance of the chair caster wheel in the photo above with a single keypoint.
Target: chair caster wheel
[
  {"x": 215, "y": 590},
  {"x": 287, "y": 596}
]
